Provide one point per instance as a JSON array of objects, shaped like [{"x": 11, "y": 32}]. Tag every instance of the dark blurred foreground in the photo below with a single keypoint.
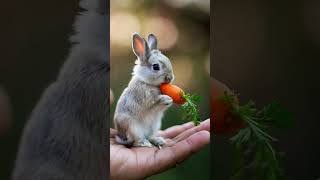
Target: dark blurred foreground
[
  {"x": 34, "y": 44},
  {"x": 270, "y": 50}
]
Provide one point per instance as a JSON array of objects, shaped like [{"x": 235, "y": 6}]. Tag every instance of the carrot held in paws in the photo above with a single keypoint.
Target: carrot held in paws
[
  {"x": 174, "y": 92},
  {"x": 188, "y": 101}
]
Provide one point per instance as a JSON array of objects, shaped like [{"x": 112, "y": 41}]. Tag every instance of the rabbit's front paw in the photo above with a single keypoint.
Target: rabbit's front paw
[
  {"x": 142, "y": 143},
  {"x": 157, "y": 141},
  {"x": 165, "y": 100}
]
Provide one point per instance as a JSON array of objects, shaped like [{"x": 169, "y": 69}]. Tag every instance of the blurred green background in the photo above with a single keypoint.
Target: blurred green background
[{"x": 183, "y": 32}]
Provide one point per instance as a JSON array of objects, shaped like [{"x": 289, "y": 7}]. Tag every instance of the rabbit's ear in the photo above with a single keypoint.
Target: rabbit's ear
[
  {"x": 152, "y": 41},
  {"x": 140, "y": 47}
]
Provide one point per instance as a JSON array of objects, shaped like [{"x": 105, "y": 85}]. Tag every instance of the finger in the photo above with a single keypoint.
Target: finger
[
  {"x": 204, "y": 126},
  {"x": 170, "y": 156},
  {"x": 175, "y": 130}
]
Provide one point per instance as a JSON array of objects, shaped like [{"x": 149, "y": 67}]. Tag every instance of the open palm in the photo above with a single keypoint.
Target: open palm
[{"x": 140, "y": 162}]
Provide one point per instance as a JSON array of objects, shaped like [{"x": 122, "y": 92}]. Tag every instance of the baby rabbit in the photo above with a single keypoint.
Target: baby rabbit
[{"x": 141, "y": 106}]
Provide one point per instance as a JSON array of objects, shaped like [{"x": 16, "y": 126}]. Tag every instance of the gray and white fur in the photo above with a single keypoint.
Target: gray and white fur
[{"x": 141, "y": 106}]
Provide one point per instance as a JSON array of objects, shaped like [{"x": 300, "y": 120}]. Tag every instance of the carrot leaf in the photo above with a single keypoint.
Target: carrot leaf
[
  {"x": 255, "y": 139},
  {"x": 189, "y": 108}
]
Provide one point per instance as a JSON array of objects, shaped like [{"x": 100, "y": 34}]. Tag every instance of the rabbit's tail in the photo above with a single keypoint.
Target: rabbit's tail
[{"x": 123, "y": 139}]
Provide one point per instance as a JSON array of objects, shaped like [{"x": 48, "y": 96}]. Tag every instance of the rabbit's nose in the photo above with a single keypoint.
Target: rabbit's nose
[{"x": 168, "y": 79}]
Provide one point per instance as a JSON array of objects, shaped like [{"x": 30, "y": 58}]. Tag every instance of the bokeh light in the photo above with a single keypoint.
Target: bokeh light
[
  {"x": 164, "y": 29},
  {"x": 122, "y": 25},
  {"x": 120, "y": 3}
]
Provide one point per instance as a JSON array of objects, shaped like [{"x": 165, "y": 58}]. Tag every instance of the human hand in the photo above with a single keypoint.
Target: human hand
[{"x": 141, "y": 162}]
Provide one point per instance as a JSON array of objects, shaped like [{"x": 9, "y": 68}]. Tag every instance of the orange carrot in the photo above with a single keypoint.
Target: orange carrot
[
  {"x": 174, "y": 92},
  {"x": 189, "y": 107}
]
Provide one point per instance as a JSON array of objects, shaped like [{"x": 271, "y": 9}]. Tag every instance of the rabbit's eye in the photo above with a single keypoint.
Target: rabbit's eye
[{"x": 156, "y": 67}]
